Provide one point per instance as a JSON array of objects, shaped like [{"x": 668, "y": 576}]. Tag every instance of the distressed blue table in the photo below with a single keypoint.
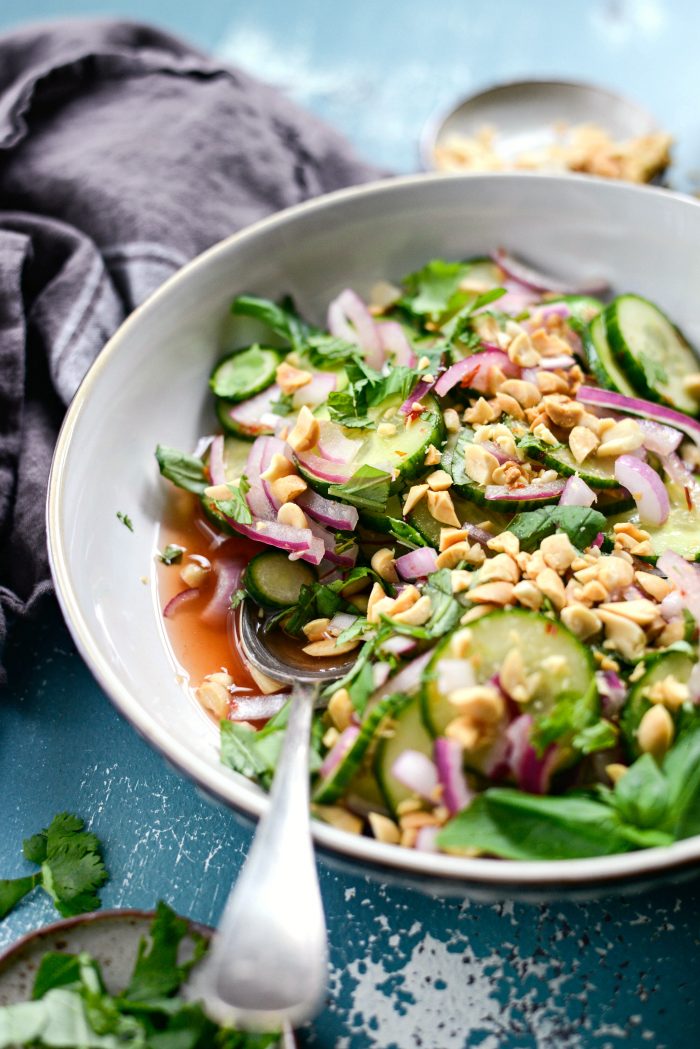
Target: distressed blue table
[{"x": 407, "y": 969}]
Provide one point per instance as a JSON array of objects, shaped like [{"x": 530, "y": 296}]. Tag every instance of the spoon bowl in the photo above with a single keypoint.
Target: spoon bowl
[{"x": 273, "y": 652}]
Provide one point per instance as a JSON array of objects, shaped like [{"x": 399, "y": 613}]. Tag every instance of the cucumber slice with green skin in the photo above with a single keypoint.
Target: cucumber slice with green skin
[
  {"x": 423, "y": 521},
  {"x": 659, "y": 667},
  {"x": 214, "y": 517},
  {"x": 380, "y": 522},
  {"x": 243, "y": 373},
  {"x": 404, "y": 453},
  {"x": 272, "y": 580},
  {"x": 613, "y": 501},
  {"x": 337, "y": 782},
  {"x": 601, "y": 360},
  {"x": 595, "y": 471},
  {"x": 453, "y": 463},
  {"x": 651, "y": 351},
  {"x": 492, "y": 638},
  {"x": 680, "y": 532},
  {"x": 235, "y": 457},
  {"x": 583, "y": 307},
  {"x": 409, "y": 733},
  {"x": 249, "y": 430}
]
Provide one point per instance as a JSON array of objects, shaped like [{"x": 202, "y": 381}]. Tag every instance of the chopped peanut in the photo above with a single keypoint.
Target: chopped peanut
[
  {"x": 376, "y": 595},
  {"x": 582, "y": 442},
  {"x": 450, "y": 417},
  {"x": 291, "y": 379},
  {"x": 442, "y": 508},
  {"x": 522, "y": 352},
  {"x": 544, "y": 434},
  {"x": 432, "y": 456},
  {"x": 415, "y": 494},
  {"x": 384, "y": 829},
  {"x": 292, "y": 515},
  {"x": 562, "y": 410},
  {"x": 501, "y": 567},
  {"x": 193, "y": 573},
  {"x": 305, "y": 432},
  {"x": 340, "y": 709},
  {"x": 384, "y": 565},
  {"x": 499, "y": 593},
  {"x": 287, "y": 488},
  {"x": 615, "y": 771},
  {"x": 386, "y": 430},
  {"x": 654, "y": 585},
  {"x": 527, "y": 594},
  {"x": 280, "y": 466},
  {"x": 623, "y": 635},
  {"x": 656, "y": 731},
  {"x": 214, "y": 694},
  {"x": 481, "y": 412},
  {"x": 330, "y": 647},
  {"x": 479, "y": 463},
  {"x": 337, "y": 816},
  {"x": 505, "y": 543},
  {"x": 581, "y": 621},
  {"x": 623, "y": 437},
  {"x": 268, "y": 685},
  {"x": 525, "y": 393},
  {"x": 558, "y": 552},
  {"x": 552, "y": 587},
  {"x": 418, "y": 614},
  {"x": 316, "y": 629},
  {"x": 669, "y": 691},
  {"x": 439, "y": 481},
  {"x": 640, "y": 611}
]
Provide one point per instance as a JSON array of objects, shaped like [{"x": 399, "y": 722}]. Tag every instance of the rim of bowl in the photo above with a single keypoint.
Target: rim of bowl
[
  {"x": 432, "y": 128},
  {"x": 220, "y": 783}
]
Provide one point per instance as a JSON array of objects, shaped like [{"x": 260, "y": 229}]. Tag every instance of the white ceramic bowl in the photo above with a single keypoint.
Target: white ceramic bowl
[{"x": 149, "y": 385}]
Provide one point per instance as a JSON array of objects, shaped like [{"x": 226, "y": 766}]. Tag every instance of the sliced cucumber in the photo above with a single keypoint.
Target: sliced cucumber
[
  {"x": 272, "y": 580},
  {"x": 679, "y": 664},
  {"x": 601, "y": 360},
  {"x": 680, "y": 532},
  {"x": 596, "y": 472},
  {"x": 538, "y": 638},
  {"x": 215, "y": 517},
  {"x": 613, "y": 501},
  {"x": 583, "y": 307},
  {"x": 468, "y": 513},
  {"x": 651, "y": 351},
  {"x": 409, "y": 733},
  {"x": 381, "y": 522},
  {"x": 334, "y": 785},
  {"x": 453, "y": 463},
  {"x": 252, "y": 418},
  {"x": 402, "y": 454},
  {"x": 236, "y": 454},
  {"x": 243, "y": 373}
]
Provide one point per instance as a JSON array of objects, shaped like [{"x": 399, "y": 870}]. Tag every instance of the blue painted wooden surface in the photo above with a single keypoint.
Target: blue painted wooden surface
[{"x": 408, "y": 970}]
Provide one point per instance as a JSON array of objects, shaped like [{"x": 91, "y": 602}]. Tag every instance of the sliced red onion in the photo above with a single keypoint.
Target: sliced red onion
[
  {"x": 685, "y": 577},
  {"x": 477, "y": 535},
  {"x": 659, "y": 439},
  {"x": 474, "y": 371},
  {"x": 328, "y": 511},
  {"x": 646, "y": 488},
  {"x": 349, "y": 319},
  {"x": 315, "y": 392},
  {"x": 341, "y": 747},
  {"x": 453, "y": 674},
  {"x": 202, "y": 446},
  {"x": 335, "y": 473},
  {"x": 456, "y": 795},
  {"x": 394, "y": 340},
  {"x": 407, "y": 680},
  {"x": 229, "y": 572},
  {"x": 636, "y": 406},
  {"x": 346, "y": 559},
  {"x": 677, "y": 470},
  {"x": 426, "y": 839},
  {"x": 380, "y": 673},
  {"x": 256, "y": 415},
  {"x": 179, "y": 600},
  {"x": 419, "y": 391},
  {"x": 517, "y": 299},
  {"x": 334, "y": 445},
  {"x": 554, "y": 309},
  {"x": 257, "y": 708},
  {"x": 672, "y": 606},
  {"x": 341, "y": 621},
  {"x": 577, "y": 493},
  {"x": 498, "y": 453},
  {"x": 260, "y": 504},
  {"x": 417, "y": 564},
  {"x": 551, "y": 490},
  {"x": 299, "y": 542},
  {"x": 534, "y": 279},
  {"x": 417, "y": 773},
  {"x": 398, "y": 645},
  {"x": 563, "y": 360},
  {"x": 217, "y": 471},
  {"x": 531, "y": 772},
  {"x": 599, "y": 540},
  {"x": 612, "y": 690}
]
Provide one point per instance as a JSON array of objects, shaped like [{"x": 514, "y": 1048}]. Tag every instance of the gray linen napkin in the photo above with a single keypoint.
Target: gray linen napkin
[{"x": 123, "y": 153}]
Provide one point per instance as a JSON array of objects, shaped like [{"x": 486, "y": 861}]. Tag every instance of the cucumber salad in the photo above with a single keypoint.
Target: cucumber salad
[{"x": 480, "y": 488}]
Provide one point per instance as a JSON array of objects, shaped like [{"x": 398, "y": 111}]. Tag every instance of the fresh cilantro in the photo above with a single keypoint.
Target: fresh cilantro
[
  {"x": 570, "y": 716},
  {"x": 125, "y": 520},
  {"x": 600, "y": 736},
  {"x": 405, "y": 533},
  {"x": 281, "y": 318},
  {"x": 71, "y": 865},
  {"x": 284, "y": 405},
  {"x": 237, "y": 597},
  {"x": 255, "y": 754},
  {"x": 356, "y": 629},
  {"x": 235, "y": 506},
  {"x": 172, "y": 555},
  {"x": 185, "y": 471},
  {"x": 432, "y": 290},
  {"x": 369, "y": 389},
  {"x": 458, "y": 327},
  {"x": 579, "y": 523},
  {"x": 323, "y": 600},
  {"x": 157, "y": 972},
  {"x": 368, "y": 488},
  {"x": 446, "y": 610},
  {"x": 322, "y": 350}
]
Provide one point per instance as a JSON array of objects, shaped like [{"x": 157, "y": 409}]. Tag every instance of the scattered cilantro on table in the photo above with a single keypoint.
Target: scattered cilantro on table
[{"x": 71, "y": 868}]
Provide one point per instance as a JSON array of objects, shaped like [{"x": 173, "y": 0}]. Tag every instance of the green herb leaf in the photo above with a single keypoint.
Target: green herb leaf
[
  {"x": 255, "y": 754},
  {"x": 368, "y": 488},
  {"x": 125, "y": 520},
  {"x": 641, "y": 795},
  {"x": 12, "y": 890},
  {"x": 406, "y": 534},
  {"x": 324, "y": 350},
  {"x": 579, "y": 523},
  {"x": 569, "y": 717},
  {"x": 600, "y": 736},
  {"x": 681, "y": 768},
  {"x": 185, "y": 471},
  {"x": 172, "y": 555},
  {"x": 56, "y": 970},
  {"x": 284, "y": 405},
  {"x": 446, "y": 609},
  {"x": 432, "y": 290},
  {"x": 73, "y": 868},
  {"x": 157, "y": 972},
  {"x": 235, "y": 506},
  {"x": 281, "y": 318},
  {"x": 237, "y": 598}
]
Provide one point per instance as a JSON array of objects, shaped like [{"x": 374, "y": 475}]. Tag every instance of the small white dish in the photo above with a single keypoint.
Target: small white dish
[{"x": 149, "y": 385}]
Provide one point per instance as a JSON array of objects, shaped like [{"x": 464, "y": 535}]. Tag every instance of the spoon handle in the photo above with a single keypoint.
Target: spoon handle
[{"x": 268, "y": 961}]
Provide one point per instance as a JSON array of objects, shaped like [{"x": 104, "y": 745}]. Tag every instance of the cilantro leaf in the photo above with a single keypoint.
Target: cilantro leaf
[
  {"x": 369, "y": 389},
  {"x": 368, "y": 488},
  {"x": 570, "y": 715},
  {"x": 255, "y": 753},
  {"x": 324, "y": 350},
  {"x": 157, "y": 972},
  {"x": 125, "y": 520},
  {"x": 235, "y": 506},
  {"x": 641, "y": 795},
  {"x": 281, "y": 318},
  {"x": 172, "y": 555},
  {"x": 579, "y": 523},
  {"x": 185, "y": 471},
  {"x": 600, "y": 736},
  {"x": 406, "y": 533},
  {"x": 431, "y": 291},
  {"x": 446, "y": 610},
  {"x": 12, "y": 890}
]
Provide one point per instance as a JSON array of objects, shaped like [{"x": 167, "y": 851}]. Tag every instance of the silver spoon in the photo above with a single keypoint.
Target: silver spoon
[{"x": 268, "y": 963}]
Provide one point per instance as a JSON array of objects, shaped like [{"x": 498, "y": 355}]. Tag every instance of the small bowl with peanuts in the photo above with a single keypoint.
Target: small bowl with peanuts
[{"x": 463, "y": 461}]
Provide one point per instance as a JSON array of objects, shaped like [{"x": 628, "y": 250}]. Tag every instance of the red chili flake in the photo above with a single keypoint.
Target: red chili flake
[
  {"x": 551, "y": 628},
  {"x": 468, "y": 376},
  {"x": 688, "y": 497}
]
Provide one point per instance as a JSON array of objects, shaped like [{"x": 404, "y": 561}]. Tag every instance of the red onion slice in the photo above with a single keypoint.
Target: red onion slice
[
  {"x": 417, "y": 773},
  {"x": 336, "y": 754},
  {"x": 257, "y": 708},
  {"x": 407, "y": 680},
  {"x": 646, "y": 488},
  {"x": 474, "y": 371},
  {"x": 341, "y": 621},
  {"x": 417, "y": 564},
  {"x": 636, "y": 406},
  {"x": 551, "y": 490},
  {"x": 612, "y": 691},
  {"x": 328, "y": 511},
  {"x": 685, "y": 577},
  {"x": 334, "y": 445},
  {"x": 577, "y": 493},
  {"x": 659, "y": 439},
  {"x": 395, "y": 341},
  {"x": 679, "y": 473},
  {"x": 534, "y": 279},
  {"x": 336, "y": 473},
  {"x": 398, "y": 645},
  {"x": 349, "y": 319},
  {"x": 426, "y": 839},
  {"x": 456, "y": 795},
  {"x": 423, "y": 387},
  {"x": 179, "y": 600},
  {"x": 255, "y": 415},
  {"x": 315, "y": 392},
  {"x": 298, "y": 542},
  {"x": 563, "y": 360},
  {"x": 229, "y": 572},
  {"x": 217, "y": 471},
  {"x": 531, "y": 772}
]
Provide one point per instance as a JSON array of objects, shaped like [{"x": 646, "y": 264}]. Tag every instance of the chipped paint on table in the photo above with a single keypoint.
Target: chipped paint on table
[{"x": 407, "y": 969}]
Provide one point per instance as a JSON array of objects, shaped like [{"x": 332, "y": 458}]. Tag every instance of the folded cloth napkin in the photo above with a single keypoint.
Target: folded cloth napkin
[{"x": 124, "y": 152}]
